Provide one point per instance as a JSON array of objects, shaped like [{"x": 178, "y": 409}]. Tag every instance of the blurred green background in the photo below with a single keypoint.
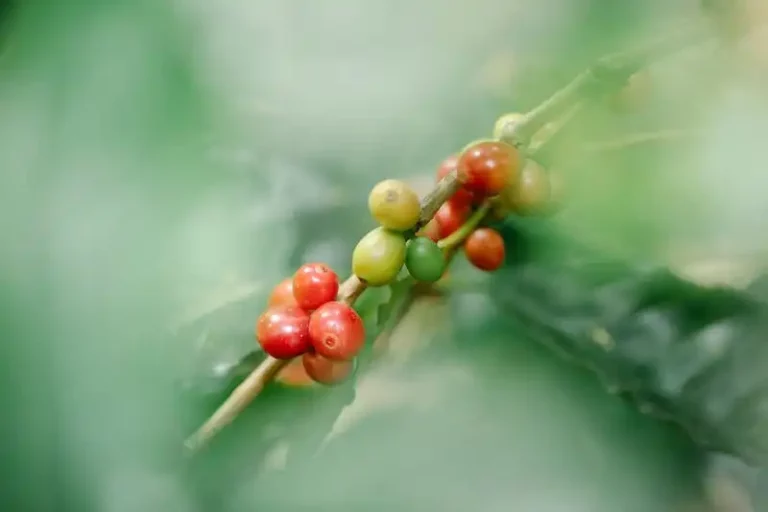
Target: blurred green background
[{"x": 162, "y": 159}]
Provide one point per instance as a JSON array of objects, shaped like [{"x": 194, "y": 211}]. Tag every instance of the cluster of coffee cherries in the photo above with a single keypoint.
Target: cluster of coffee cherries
[
  {"x": 512, "y": 187},
  {"x": 485, "y": 169},
  {"x": 304, "y": 318}
]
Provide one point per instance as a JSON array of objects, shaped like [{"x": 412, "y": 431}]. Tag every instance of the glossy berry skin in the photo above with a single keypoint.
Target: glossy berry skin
[
  {"x": 326, "y": 371},
  {"x": 294, "y": 375},
  {"x": 379, "y": 256},
  {"x": 484, "y": 248},
  {"x": 336, "y": 331},
  {"x": 283, "y": 332},
  {"x": 485, "y": 168},
  {"x": 314, "y": 284},
  {"x": 462, "y": 196},
  {"x": 450, "y": 216},
  {"x": 282, "y": 294},
  {"x": 431, "y": 231},
  {"x": 424, "y": 260},
  {"x": 394, "y": 205}
]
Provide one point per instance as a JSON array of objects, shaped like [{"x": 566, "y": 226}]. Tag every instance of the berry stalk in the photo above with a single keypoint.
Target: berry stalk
[
  {"x": 236, "y": 402},
  {"x": 445, "y": 189},
  {"x": 455, "y": 239},
  {"x": 639, "y": 139},
  {"x": 606, "y": 76},
  {"x": 348, "y": 293}
]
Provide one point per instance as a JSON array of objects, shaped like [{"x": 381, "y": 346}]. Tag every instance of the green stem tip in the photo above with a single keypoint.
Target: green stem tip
[{"x": 457, "y": 237}]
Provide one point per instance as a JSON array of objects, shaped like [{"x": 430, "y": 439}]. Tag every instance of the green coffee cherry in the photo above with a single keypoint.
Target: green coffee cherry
[
  {"x": 379, "y": 256},
  {"x": 424, "y": 260}
]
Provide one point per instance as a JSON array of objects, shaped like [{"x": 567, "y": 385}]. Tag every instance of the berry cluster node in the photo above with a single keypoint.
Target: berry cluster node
[
  {"x": 308, "y": 316},
  {"x": 303, "y": 318}
]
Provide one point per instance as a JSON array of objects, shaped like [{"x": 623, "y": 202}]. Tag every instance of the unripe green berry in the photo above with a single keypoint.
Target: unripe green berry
[
  {"x": 379, "y": 256},
  {"x": 394, "y": 205},
  {"x": 424, "y": 260}
]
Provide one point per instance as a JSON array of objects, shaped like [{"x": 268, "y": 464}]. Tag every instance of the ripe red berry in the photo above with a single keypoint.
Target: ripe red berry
[
  {"x": 314, "y": 284},
  {"x": 326, "y": 371},
  {"x": 486, "y": 167},
  {"x": 294, "y": 375},
  {"x": 282, "y": 294},
  {"x": 484, "y": 248},
  {"x": 283, "y": 331},
  {"x": 336, "y": 331},
  {"x": 462, "y": 196},
  {"x": 431, "y": 231},
  {"x": 449, "y": 217}
]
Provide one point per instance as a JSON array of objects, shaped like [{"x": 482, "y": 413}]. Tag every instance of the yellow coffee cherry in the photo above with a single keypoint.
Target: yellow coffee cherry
[
  {"x": 379, "y": 256},
  {"x": 503, "y": 121},
  {"x": 394, "y": 205}
]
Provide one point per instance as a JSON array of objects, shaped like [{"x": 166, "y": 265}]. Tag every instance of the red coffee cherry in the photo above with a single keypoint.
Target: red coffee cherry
[
  {"x": 314, "y": 284},
  {"x": 484, "y": 248},
  {"x": 326, "y": 371},
  {"x": 336, "y": 331},
  {"x": 282, "y": 294},
  {"x": 283, "y": 332},
  {"x": 294, "y": 375},
  {"x": 486, "y": 167},
  {"x": 462, "y": 196},
  {"x": 450, "y": 217},
  {"x": 431, "y": 231}
]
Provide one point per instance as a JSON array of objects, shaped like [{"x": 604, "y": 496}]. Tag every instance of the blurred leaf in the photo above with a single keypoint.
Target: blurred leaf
[
  {"x": 296, "y": 419},
  {"x": 685, "y": 352},
  {"x": 389, "y": 310},
  {"x": 160, "y": 151}
]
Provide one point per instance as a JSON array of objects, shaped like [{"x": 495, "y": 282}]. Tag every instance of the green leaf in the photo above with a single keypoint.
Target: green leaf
[
  {"x": 691, "y": 354},
  {"x": 368, "y": 306},
  {"x": 300, "y": 417},
  {"x": 399, "y": 292}
]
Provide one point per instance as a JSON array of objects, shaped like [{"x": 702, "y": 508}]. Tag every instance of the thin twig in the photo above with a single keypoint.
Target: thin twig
[
  {"x": 452, "y": 241},
  {"x": 236, "y": 402},
  {"x": 349, "y": 291},
  {"x": 607, "y": 75},
  {"x": 444, "y": 189},
  {"x": 553, "y": 130},
  {"x": 637, "y": 139}
]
